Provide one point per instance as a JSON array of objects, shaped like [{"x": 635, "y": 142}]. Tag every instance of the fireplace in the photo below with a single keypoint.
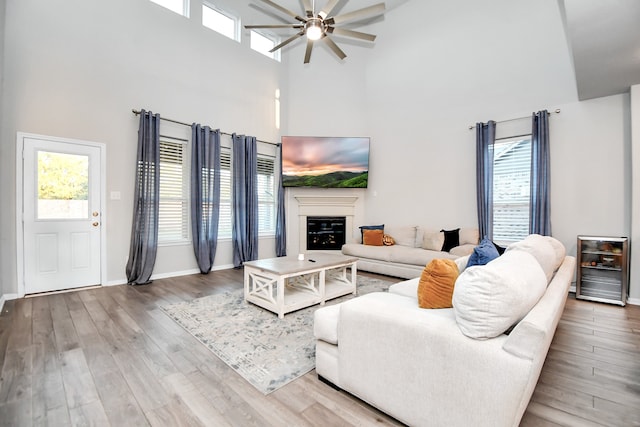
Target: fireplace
[{"x": 326, "y": 232}]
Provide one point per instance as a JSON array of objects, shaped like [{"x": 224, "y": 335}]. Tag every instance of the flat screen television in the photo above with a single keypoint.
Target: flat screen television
[{"x": 325, "y": 162}]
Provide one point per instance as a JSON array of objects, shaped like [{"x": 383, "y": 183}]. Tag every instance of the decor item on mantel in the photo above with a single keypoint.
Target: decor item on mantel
[{"x": 318, "y": 26}]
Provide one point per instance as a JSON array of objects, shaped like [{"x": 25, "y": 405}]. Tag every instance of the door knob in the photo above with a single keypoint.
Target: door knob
[
  {"x": 95, "y": 224},
  {"x": 95, "y": 213}
]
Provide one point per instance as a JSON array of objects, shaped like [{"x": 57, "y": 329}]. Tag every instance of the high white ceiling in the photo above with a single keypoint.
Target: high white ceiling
[{"x": 604, "y": 38}]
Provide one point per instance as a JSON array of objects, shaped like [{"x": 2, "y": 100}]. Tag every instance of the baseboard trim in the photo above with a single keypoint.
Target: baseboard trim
[
  {"x": 171, "y": 274},
  {"x": 6, "y": 297},
  {"x": 633, "y": 301}
]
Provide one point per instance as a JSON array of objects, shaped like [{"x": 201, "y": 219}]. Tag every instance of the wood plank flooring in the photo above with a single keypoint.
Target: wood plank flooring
[{"x": 109, "y": 356}]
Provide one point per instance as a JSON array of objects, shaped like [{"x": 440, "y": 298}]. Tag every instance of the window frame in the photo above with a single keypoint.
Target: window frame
[
  {"x": 226, "y": 202},
  {"x": 185, "y": 228},
  {"x": 269, "y": 36},
  {"x": 185, "y": 7},
  {"x": 233, "y": 17},
  {"x": 524, "y": 201}
]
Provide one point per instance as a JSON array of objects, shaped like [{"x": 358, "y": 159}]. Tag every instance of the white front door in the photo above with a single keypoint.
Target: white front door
[{"x": 61, "y": 214}]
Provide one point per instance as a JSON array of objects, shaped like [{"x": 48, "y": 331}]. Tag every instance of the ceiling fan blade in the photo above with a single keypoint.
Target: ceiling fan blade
[
  {"x": 307, "y": 54},
  {"x": 249, "y": 27},
  {"x": 284, "y": 10},
  {"x": 328, "y": 8},
  {"x": 308, "y": 8},
  {"x": 356, "y": 15},
  {"x": 351, "y": 33},
  {"x": 287, "y": 41},
  {"x": 334, "y": 47}
]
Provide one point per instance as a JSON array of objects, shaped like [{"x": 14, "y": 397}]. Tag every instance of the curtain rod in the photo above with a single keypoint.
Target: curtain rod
[
  {"x": 557, "y": 111},
  {"x": 137, "y": 113}
]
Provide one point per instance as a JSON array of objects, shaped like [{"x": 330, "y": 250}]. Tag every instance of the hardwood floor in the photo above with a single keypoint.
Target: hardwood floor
[{"x": 109, "y": 356}]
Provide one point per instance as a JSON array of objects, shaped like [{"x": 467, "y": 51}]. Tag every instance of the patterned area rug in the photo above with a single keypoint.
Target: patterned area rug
[{"x": 266, "y": 351}]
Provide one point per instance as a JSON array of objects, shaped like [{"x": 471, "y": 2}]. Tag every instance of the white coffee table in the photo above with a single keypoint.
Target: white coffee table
[{"x": 286, "y": 284}]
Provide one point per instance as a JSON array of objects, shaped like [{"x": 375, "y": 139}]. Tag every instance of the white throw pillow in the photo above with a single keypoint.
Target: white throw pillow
[
  {"x": 433, "y": 240},
  {"x": 469, "y": 236},
  {"x": 489, "y": 299},
  {"x": 542, "y": 249}
]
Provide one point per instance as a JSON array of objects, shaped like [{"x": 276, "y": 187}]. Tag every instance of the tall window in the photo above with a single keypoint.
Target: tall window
[
  {"x": 263, "y": 44},
  {"x": 220, "y": 21},
  {"x": 225, "y": 225},
  {"x": 173, "y": 220},
  {"x": 181, "y": 7},
  {"x": 511, "y": 188},
  {"x": 266, "y": 195}
]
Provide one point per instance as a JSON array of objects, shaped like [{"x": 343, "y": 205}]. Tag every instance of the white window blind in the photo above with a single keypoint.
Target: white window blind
[
  {"x": 266, "y": 196},
  {"x": 173, "y": 221},
  {"x": 225, "y": 224},
  {"x": 511, "y": 189}
]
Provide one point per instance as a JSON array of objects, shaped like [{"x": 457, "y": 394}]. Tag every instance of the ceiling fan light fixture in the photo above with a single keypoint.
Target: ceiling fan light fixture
[{"x": 314, "y": 29}]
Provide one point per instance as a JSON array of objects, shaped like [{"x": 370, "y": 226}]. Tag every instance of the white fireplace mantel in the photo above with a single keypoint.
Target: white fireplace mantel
[{"x": 323, "y": 206}]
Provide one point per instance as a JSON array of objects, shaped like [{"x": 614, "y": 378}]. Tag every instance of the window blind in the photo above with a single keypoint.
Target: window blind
[
  {"x": 173, "y": 221},
  {"x": 511, "y": 189}
]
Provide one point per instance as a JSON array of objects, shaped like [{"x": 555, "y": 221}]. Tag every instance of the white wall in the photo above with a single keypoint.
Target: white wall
[
  {"x": 3, "y": 155},
  {"x": 76, "y": 69}
]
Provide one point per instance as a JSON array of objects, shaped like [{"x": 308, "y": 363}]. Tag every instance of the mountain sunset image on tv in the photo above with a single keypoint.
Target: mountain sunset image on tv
[{"x": 325, "y": 162}]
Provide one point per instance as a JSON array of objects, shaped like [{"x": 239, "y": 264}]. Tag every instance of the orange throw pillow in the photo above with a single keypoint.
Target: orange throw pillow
[
  {"x": 372, "y": 237},
  {"x": 435, "y": 289}
]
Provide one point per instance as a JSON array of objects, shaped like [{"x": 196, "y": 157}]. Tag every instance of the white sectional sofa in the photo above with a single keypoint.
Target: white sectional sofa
[
  {"x": 414, "y": 247},
  {"x": 454, "y": 366}
]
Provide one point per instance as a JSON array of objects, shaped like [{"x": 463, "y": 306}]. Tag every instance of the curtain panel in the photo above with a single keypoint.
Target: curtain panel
[
  {"x": 540, "y": 198},
  {"x": 205, "y": 194},
  {"x": 281, "y": 231},
  {"x": 485, "y": 138},
  {"x": 245, "y": 199},
  {"x": 144, "y": 230}
]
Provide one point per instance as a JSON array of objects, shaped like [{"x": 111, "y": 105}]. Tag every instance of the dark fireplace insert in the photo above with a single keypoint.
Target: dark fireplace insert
[{"x": 325, "y": 232}]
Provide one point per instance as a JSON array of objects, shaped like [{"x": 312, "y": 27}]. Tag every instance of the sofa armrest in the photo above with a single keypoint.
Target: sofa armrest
[{"x": 416, "y": 365}]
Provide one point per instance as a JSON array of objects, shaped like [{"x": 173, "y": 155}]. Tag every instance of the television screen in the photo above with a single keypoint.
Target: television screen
[{"x": 326, "y": 162}]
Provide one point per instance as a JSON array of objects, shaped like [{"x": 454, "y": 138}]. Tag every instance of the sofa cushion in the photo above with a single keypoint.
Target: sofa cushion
[
  {"x": 489, "y": 299},
  {"x": 462, "y": 263},
  {"x": 463, "y": 250},
  {"x": 372, "y": 237},
  {"x": 325, "y": 323},
  {"x": 381, "y": 253},
  {"x": 435, "y": 287},
  {"x": 414, "y": 256},
  {"x": 432, "y": 240},
  {"x": 542, "y": 250},
  {"x": 408, "y": 288},
  {"x": 451, "y": 239},
  {"x": 403, "y": 235},
  {"x": 469, "y": 236},
  {"x": 483, "y": 253}
]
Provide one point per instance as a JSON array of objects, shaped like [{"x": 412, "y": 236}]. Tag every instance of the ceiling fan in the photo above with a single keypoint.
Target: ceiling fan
[{"x": 318, "y": 26}]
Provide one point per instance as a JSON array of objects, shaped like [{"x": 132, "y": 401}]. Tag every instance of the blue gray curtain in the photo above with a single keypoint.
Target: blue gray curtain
[
  {"x": 205, "y": 194},
  {"x": 539, "y": 203},
  {"x": 281, "y": 232},
  {"x": 245, "y": 199},
  {"x": 485, "y": 138},
  {"x": 144, "y": 230}
]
